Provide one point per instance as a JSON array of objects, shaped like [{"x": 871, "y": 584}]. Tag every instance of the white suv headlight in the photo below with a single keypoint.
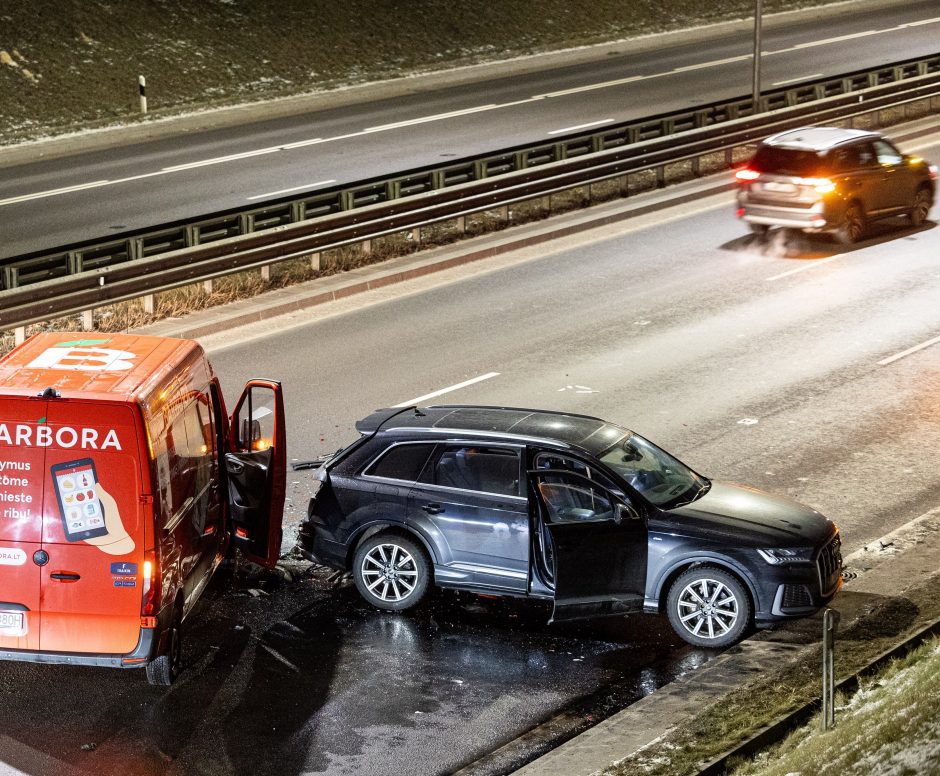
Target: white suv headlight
[{"x": 777, "y": 557}]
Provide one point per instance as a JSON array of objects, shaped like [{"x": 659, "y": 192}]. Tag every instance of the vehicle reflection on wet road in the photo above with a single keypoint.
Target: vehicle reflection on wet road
[{"x": 306, "y": 678}]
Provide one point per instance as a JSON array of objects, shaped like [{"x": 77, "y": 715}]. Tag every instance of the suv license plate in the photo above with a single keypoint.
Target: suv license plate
[
  {"x": 781, "y": 188},
  {"x": 12, "y": 623}
]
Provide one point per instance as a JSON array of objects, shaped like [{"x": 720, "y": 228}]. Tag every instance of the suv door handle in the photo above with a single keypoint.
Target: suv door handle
[{"x": 433, "y": 509}]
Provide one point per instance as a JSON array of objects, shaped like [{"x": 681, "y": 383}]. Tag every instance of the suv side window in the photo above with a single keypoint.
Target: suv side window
[
  {"x": 888, "y": 155},
  {"x": 479, "y": 468},
  {"x": 551, "y": 460},
  {"x": 574, "y": 501},
  {"x": 401, "y": 462},
  {"x": 848, "y": 158}
]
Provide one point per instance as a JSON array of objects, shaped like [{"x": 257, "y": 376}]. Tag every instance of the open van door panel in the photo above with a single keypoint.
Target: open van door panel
[
  {"x": 256, "y": 467},
  {"x": 599, "y": 546}
]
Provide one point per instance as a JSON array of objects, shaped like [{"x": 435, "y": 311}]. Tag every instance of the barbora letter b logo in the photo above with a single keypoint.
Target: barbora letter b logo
[{"x": 84, "y": 359}]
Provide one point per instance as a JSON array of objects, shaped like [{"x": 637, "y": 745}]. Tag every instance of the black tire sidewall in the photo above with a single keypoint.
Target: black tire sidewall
[
  {"x": 421, "y": 564},
  {"x": 728, "y": 580}
]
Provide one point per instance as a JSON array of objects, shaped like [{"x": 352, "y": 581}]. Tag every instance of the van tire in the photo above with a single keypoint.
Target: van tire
[
  {"x": 163, "y": 670},
  {"x": 403, "y": 560}
]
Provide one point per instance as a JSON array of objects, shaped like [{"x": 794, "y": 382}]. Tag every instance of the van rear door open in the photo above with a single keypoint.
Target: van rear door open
[
  {"x": 256, "y": 468},
  {"x": 21, "y": 475},
  {"x": 92, "y": 528}
]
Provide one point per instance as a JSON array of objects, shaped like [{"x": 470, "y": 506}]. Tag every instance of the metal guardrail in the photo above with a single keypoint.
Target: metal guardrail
[
  {"x": 89, "y": 288},
  {"x": 140, "y": 244}
]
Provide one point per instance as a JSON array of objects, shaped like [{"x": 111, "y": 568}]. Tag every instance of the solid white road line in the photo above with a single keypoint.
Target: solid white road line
[
  {"x": 815, "y": 264},
  {"x": 426, "y": 119},
  {"x": 798, "y": 79},
  {"x": 441, "y": 392},
  {"x": 293, "y": 188},
  {"x": 581, "y": 126},
  {"x": 909, "y": 351}
]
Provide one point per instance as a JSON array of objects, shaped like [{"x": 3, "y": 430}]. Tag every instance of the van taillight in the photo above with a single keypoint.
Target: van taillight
[
  {"x": 150, "y": 601},
  {"x": 746, "y": 175}
]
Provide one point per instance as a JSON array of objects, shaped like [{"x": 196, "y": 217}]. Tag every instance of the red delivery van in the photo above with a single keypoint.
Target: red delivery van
[{"x": 123, "y": 485}]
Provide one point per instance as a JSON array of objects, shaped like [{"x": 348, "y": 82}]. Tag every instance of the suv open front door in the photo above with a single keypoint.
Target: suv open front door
[
  {"x": 599, "y": 547},
  {"x": 256, "y": 468}
]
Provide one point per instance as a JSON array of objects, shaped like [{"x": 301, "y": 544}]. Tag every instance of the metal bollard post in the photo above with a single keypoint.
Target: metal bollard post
[
  {"x": 142, "y": 91},
  {"x": 830, "y": 620}
]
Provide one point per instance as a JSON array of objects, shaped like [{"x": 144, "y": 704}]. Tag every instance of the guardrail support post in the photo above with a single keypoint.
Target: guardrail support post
[
  {"x": 830, "y": 620},
  {"x": 315, "y": 261},
  {"x": 366, "y": 247},
  {"x": 462, "y": 224},
  {"x": 661, "y": 176},
  {"x": 147, "y": 300},
  {"x": 266, "y": 273},
  {"x": 19, "y": 335},
  {"x": 88, "y": 320}
]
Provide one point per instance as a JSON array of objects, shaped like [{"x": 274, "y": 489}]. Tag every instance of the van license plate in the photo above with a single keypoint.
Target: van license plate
[{"x": 12, "y": 623}]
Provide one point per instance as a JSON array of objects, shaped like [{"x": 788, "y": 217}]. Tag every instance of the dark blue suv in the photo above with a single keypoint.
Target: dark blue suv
[{"x": 564, "y": 507}]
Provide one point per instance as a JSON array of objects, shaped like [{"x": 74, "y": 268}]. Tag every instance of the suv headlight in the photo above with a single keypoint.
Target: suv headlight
[{"x": 777, "y": 557}]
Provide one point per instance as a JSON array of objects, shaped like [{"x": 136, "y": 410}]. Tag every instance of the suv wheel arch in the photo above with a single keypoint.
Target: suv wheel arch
[
  {"x": 387, "y": 528},
  {"x": 666, "y": 578}
]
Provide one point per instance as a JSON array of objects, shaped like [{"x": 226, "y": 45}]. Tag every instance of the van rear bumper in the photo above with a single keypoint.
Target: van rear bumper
[{"x": 138, "y": 658}]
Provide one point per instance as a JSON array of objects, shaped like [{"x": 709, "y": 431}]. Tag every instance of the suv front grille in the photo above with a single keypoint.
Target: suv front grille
[{"x": 829, "y": 565}]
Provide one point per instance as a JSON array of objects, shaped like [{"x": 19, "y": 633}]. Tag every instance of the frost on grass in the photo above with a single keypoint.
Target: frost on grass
[{"x": 889, "y": 728}]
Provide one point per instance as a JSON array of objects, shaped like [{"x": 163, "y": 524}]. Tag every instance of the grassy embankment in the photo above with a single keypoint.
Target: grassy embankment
[{"x": 71, "y": 64}]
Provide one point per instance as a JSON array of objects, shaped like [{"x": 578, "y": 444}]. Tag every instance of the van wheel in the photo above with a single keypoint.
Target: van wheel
[
  {"x": 708, "y": 607},
  {"x": 853, "y": 225},
  {"x": 921, "y": 207},
  {"x": 391, "y": 572},
  {"x": 164, "y": 669}
]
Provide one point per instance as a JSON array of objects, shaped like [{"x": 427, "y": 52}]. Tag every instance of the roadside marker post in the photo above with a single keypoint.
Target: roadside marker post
[{"x": 830, "y": 620}]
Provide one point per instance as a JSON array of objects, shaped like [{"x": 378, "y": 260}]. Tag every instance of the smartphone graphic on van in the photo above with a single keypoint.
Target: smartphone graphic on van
[{"x": 79, "y": 505}]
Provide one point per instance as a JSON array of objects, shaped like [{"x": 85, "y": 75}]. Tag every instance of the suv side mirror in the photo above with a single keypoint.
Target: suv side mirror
[{"x": 623, "y": 512}]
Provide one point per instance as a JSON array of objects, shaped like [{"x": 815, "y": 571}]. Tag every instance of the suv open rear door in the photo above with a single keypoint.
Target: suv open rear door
[{"x": 256, "y": 470}]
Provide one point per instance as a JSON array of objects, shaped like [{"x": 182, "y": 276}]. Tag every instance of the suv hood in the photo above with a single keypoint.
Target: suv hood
[{"x": 751, "y": 517}]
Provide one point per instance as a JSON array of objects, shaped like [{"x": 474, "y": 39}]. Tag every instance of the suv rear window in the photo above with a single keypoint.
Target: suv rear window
[
  {"x": 787, "y": 161},
  {"x": 478, "y": 468},
  {"x": 401, "y": 462}
]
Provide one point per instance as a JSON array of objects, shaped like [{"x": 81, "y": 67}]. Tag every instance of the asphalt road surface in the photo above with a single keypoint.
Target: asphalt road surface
[
  {"x": 796, "y": 366},
  {"x": 89, "y": 196}
]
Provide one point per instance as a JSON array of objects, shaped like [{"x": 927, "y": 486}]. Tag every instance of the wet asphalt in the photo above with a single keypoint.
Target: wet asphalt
[{"x": 303, "y": 677}]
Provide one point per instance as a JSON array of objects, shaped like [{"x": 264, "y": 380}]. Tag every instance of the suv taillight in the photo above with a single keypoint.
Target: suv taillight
[{"x": 746, "y": 175}]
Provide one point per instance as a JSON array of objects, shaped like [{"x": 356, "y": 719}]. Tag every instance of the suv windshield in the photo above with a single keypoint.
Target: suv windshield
[
  {"x": 787, "y": 161},
  {"x": 660, "y": 478}
]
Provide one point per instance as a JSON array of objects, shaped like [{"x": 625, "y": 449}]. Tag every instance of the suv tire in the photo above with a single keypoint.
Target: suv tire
[
  {"x": 391, "y": 572},
  {"x": 708, "y": 607},
  {"x": 920, "y": 207},
  {"x": 853, "y": 225}
]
